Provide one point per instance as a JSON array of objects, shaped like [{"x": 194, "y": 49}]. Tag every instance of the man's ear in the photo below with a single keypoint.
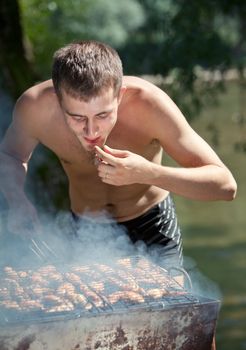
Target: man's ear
[{"x": 121, "y": 93}]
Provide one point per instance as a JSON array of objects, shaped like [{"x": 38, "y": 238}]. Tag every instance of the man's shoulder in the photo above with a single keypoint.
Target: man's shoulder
[
  {"x": 38, "y": 93},
  {"x": 144, "y": 92},
  {"x": 36, "y": 105},
  {"x": 150, "y": 104},
  {"x": 139, "y": 83}
]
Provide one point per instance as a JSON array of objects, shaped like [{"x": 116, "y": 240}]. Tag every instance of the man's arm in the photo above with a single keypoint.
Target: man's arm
[
  {"x": 15, "y": 152},
  {"x": 201, "y": 175}
]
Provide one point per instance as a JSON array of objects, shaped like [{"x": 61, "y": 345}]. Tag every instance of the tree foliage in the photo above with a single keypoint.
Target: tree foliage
[
  {"x": 174, "y": 38},
  {"x": 177, "y": 38},
  {"x": 16, "y": 71},
  {"x": 51, "y": 24}
]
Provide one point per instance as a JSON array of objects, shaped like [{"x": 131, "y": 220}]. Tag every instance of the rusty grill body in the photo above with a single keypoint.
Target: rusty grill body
[{"x": 132, "y": 304}]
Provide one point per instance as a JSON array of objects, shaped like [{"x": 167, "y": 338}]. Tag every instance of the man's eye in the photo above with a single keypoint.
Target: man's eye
[
  {"x": 102, "y": 116},
  {"x": 77, "y": 118}
]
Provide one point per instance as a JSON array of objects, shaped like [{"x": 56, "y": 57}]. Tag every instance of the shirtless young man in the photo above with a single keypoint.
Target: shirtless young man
[{"x": 109, "y": 133}]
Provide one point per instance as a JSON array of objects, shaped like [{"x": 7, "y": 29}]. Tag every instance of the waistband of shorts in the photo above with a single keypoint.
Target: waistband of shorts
[
  {"x": 157, "y": 207},
  {"x": 105, "y": 219}
]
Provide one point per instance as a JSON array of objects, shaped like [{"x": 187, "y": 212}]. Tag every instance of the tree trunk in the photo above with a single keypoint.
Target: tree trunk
[{"x": 16, "y": 71}]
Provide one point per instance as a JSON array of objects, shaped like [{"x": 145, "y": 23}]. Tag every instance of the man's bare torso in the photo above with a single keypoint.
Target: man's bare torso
[{"x": 132, "y": 132}]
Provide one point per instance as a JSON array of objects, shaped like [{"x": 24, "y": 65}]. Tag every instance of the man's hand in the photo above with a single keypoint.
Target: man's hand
[
  {"x": 118, "y": 167},
  {"x": 23, "y": 220}
]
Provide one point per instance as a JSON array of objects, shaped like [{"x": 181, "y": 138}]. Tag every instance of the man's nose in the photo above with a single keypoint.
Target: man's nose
[{"x": 91, "y": 129}]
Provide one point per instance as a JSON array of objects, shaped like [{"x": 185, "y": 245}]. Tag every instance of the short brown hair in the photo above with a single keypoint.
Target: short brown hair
[{"x": 84, "y": 69}]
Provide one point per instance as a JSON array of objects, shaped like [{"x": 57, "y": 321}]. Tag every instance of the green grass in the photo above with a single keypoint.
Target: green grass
[{"x": 214, "y": 233}]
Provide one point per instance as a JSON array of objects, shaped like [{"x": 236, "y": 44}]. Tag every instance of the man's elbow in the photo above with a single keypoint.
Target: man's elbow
[{"x": 230, "y": 190}]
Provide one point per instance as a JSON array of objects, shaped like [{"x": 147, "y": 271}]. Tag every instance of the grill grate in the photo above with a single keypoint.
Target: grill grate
[{"x": 57, "y": 292}]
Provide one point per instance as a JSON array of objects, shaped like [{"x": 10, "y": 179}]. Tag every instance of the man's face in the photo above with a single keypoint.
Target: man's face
[{"x": 91, "y": 121}]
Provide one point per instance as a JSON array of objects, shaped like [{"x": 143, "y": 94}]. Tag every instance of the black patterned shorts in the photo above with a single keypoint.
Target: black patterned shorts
[
  {"x": 158, "y": 228},
  {"x": 155, "y": 232}
]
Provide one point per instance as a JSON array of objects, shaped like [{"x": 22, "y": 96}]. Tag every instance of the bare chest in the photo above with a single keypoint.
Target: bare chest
[
  {"x": 86, "y": 190},
  {"x": 125, "y": 135}
]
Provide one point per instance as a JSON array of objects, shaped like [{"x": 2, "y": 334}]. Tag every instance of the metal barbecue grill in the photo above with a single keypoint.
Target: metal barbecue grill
[{"x": 132, "y": 304}]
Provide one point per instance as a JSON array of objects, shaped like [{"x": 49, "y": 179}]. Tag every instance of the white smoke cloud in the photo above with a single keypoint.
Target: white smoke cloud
[{"x": 201, "y": 284}]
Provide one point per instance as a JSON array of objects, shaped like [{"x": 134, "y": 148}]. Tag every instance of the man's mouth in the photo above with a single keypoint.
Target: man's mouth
[{"x": 92, "y": 141}]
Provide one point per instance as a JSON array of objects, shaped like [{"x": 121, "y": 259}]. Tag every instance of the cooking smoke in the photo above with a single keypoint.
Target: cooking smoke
[
  {"x": 84, "y": 241},
  {"x": 97, "y": 239}
]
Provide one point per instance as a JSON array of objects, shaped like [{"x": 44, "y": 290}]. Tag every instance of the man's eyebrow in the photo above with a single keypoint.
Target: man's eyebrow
[
  {"x": 106, "y": 111},
  {"x": 82, "y": 115},
  {"x": 74, "y": 114}
]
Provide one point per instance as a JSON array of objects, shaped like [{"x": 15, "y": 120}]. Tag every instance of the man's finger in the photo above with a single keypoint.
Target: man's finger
[
  {"x": 109, "y": 158},
  {"x": 115, "y": 152}
]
